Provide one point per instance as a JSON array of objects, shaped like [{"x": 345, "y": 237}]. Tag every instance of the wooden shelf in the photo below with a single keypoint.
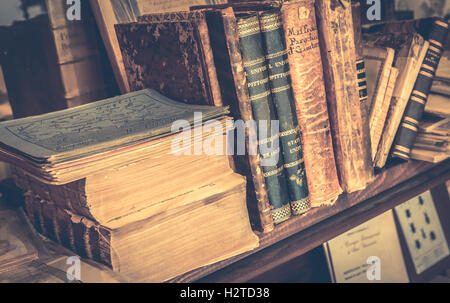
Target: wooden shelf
[{"x": 300, "y": 234}]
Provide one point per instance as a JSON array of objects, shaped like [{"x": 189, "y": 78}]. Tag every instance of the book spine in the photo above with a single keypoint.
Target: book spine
[
  {"x": 362, "y": 89},
  {"x": 282, "y": 95},
  {"x": 408, "y": 61},
  {"x": 74, "y": 232},
  {"x": 310, "y": 101},
  {"x": 360, "y": 64},
  {"x": 208, "y": 61},
  {"x": 377, "y": 130},
  {"x": 336, "y": 39},
  {"x": 263, "y": 112},
  {"x": 234, "y": 85},
  {"x": 76, "y": 53},
  {"x": 409, "y": 126}
]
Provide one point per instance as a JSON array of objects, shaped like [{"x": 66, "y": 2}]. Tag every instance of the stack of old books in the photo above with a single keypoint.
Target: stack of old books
[
  {"x": 432, "y": 143},
  {"x": 138, "y": 182}
]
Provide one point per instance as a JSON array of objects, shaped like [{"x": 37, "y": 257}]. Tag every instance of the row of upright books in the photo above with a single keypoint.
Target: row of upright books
[
  {"x": 101, "y": 180},
  {"x": 297, "y": 62},
  {"x": 300, "y": 63},
  {"x": 264, "y": 60}
]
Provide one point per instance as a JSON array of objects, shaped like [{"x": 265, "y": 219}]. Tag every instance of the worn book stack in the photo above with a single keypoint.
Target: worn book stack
[
  {"x": 264, "y": 60},
  {"x": 138, "y": 182},
  {"x": 404, "y": 57},
  {"x": 432, "y": 143}
]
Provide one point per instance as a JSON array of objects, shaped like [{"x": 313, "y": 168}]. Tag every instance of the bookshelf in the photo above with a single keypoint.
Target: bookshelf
[
  {"x": 301, "y": 234},
  {"x": 298, "y": 240}
]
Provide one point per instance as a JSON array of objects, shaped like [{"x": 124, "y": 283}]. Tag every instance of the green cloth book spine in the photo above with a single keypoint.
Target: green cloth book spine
[
  {"x": 255, "y": 68},
  {"x": 407, "y": 132},
  {"x": 283, "y": 98}
]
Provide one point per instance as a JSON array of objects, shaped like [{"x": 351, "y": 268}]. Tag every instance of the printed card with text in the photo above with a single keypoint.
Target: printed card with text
[{"x": 368, "y": 253}]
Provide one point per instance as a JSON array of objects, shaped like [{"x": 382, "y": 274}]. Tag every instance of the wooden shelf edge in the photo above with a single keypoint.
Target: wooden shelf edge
[{"x": 303, "y": 233}]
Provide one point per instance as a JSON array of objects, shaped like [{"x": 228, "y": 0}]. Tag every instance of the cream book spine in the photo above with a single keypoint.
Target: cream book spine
[
  {"x": 409, "y": 67},
  {"x": 377, "y": 130},
  {"x": 386, "y": 57}
]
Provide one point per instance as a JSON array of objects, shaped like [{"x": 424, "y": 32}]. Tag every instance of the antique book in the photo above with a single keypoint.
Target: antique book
[
  {"x": 63, "y": 54},
  {"x": 224, "y": 41},
  {"x": 242, "y": 6},
  {"x": 360, "y": 64},
  {"x": 368, "y": 253},
  {"x": 425, "y": 154},
  {"x": 255, "y": 67},
  {"x": 362, "y": 85},
  {"x": 378, "y": 131},
  {"x": 410, "y": 50},
  {"x": 110, "y": 12},
  {"x": 211, "y": 225},
  {"x": 171, "y": 53},
  {"x": 441, "y": 80},
  {"x": 443, "y": 69},
  {"x": 336, "y": 40},
  {"x": 379, "y": 64},
  {"x": 407, "y": 131},
  {"x": 432, "y": 143},
  {"x": 438, "y": 105},
  {"x": 422, "y": 229},
  {"x": 67, "y": 145},
  {"x": 310, "y": 101},
  {"x": 281, "y": 89},
  {"x": 163, "y": 6}
]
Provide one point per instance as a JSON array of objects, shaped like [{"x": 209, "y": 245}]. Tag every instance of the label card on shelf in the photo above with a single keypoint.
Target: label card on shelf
[
  {"x": 423, "y": 231},
  {"x": 368, "y": 253}
]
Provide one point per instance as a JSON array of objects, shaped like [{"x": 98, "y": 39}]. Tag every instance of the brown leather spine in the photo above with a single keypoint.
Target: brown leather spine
[
  {"x": 336, "y": 38},
  {"x": 309, "y": 92},
  {"x": 262, "y": 210},
  {"x": 74, "y": 232}
]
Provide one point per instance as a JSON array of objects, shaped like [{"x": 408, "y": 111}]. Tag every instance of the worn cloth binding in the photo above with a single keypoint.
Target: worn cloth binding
[
  {"x": 263, "y": 111},
  {"x": 281, "y": 89}
]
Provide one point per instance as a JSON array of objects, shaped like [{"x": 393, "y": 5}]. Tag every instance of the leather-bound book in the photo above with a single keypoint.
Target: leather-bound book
[
  {"x": 336, "y": 39},
  {"x": 255, "y": 67},
  {"x": 310, "y": 101},
  {"x": 224, "y": 41},
  {"x": 362, "y": 88},
  {"x": 171, "y": 53},
  {"x": 409, "y": 126},
  {"x": 283, "y": 98}
]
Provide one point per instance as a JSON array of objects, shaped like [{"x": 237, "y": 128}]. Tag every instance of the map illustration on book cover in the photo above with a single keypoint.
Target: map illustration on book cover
[{"x": 105, "y": 124}]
